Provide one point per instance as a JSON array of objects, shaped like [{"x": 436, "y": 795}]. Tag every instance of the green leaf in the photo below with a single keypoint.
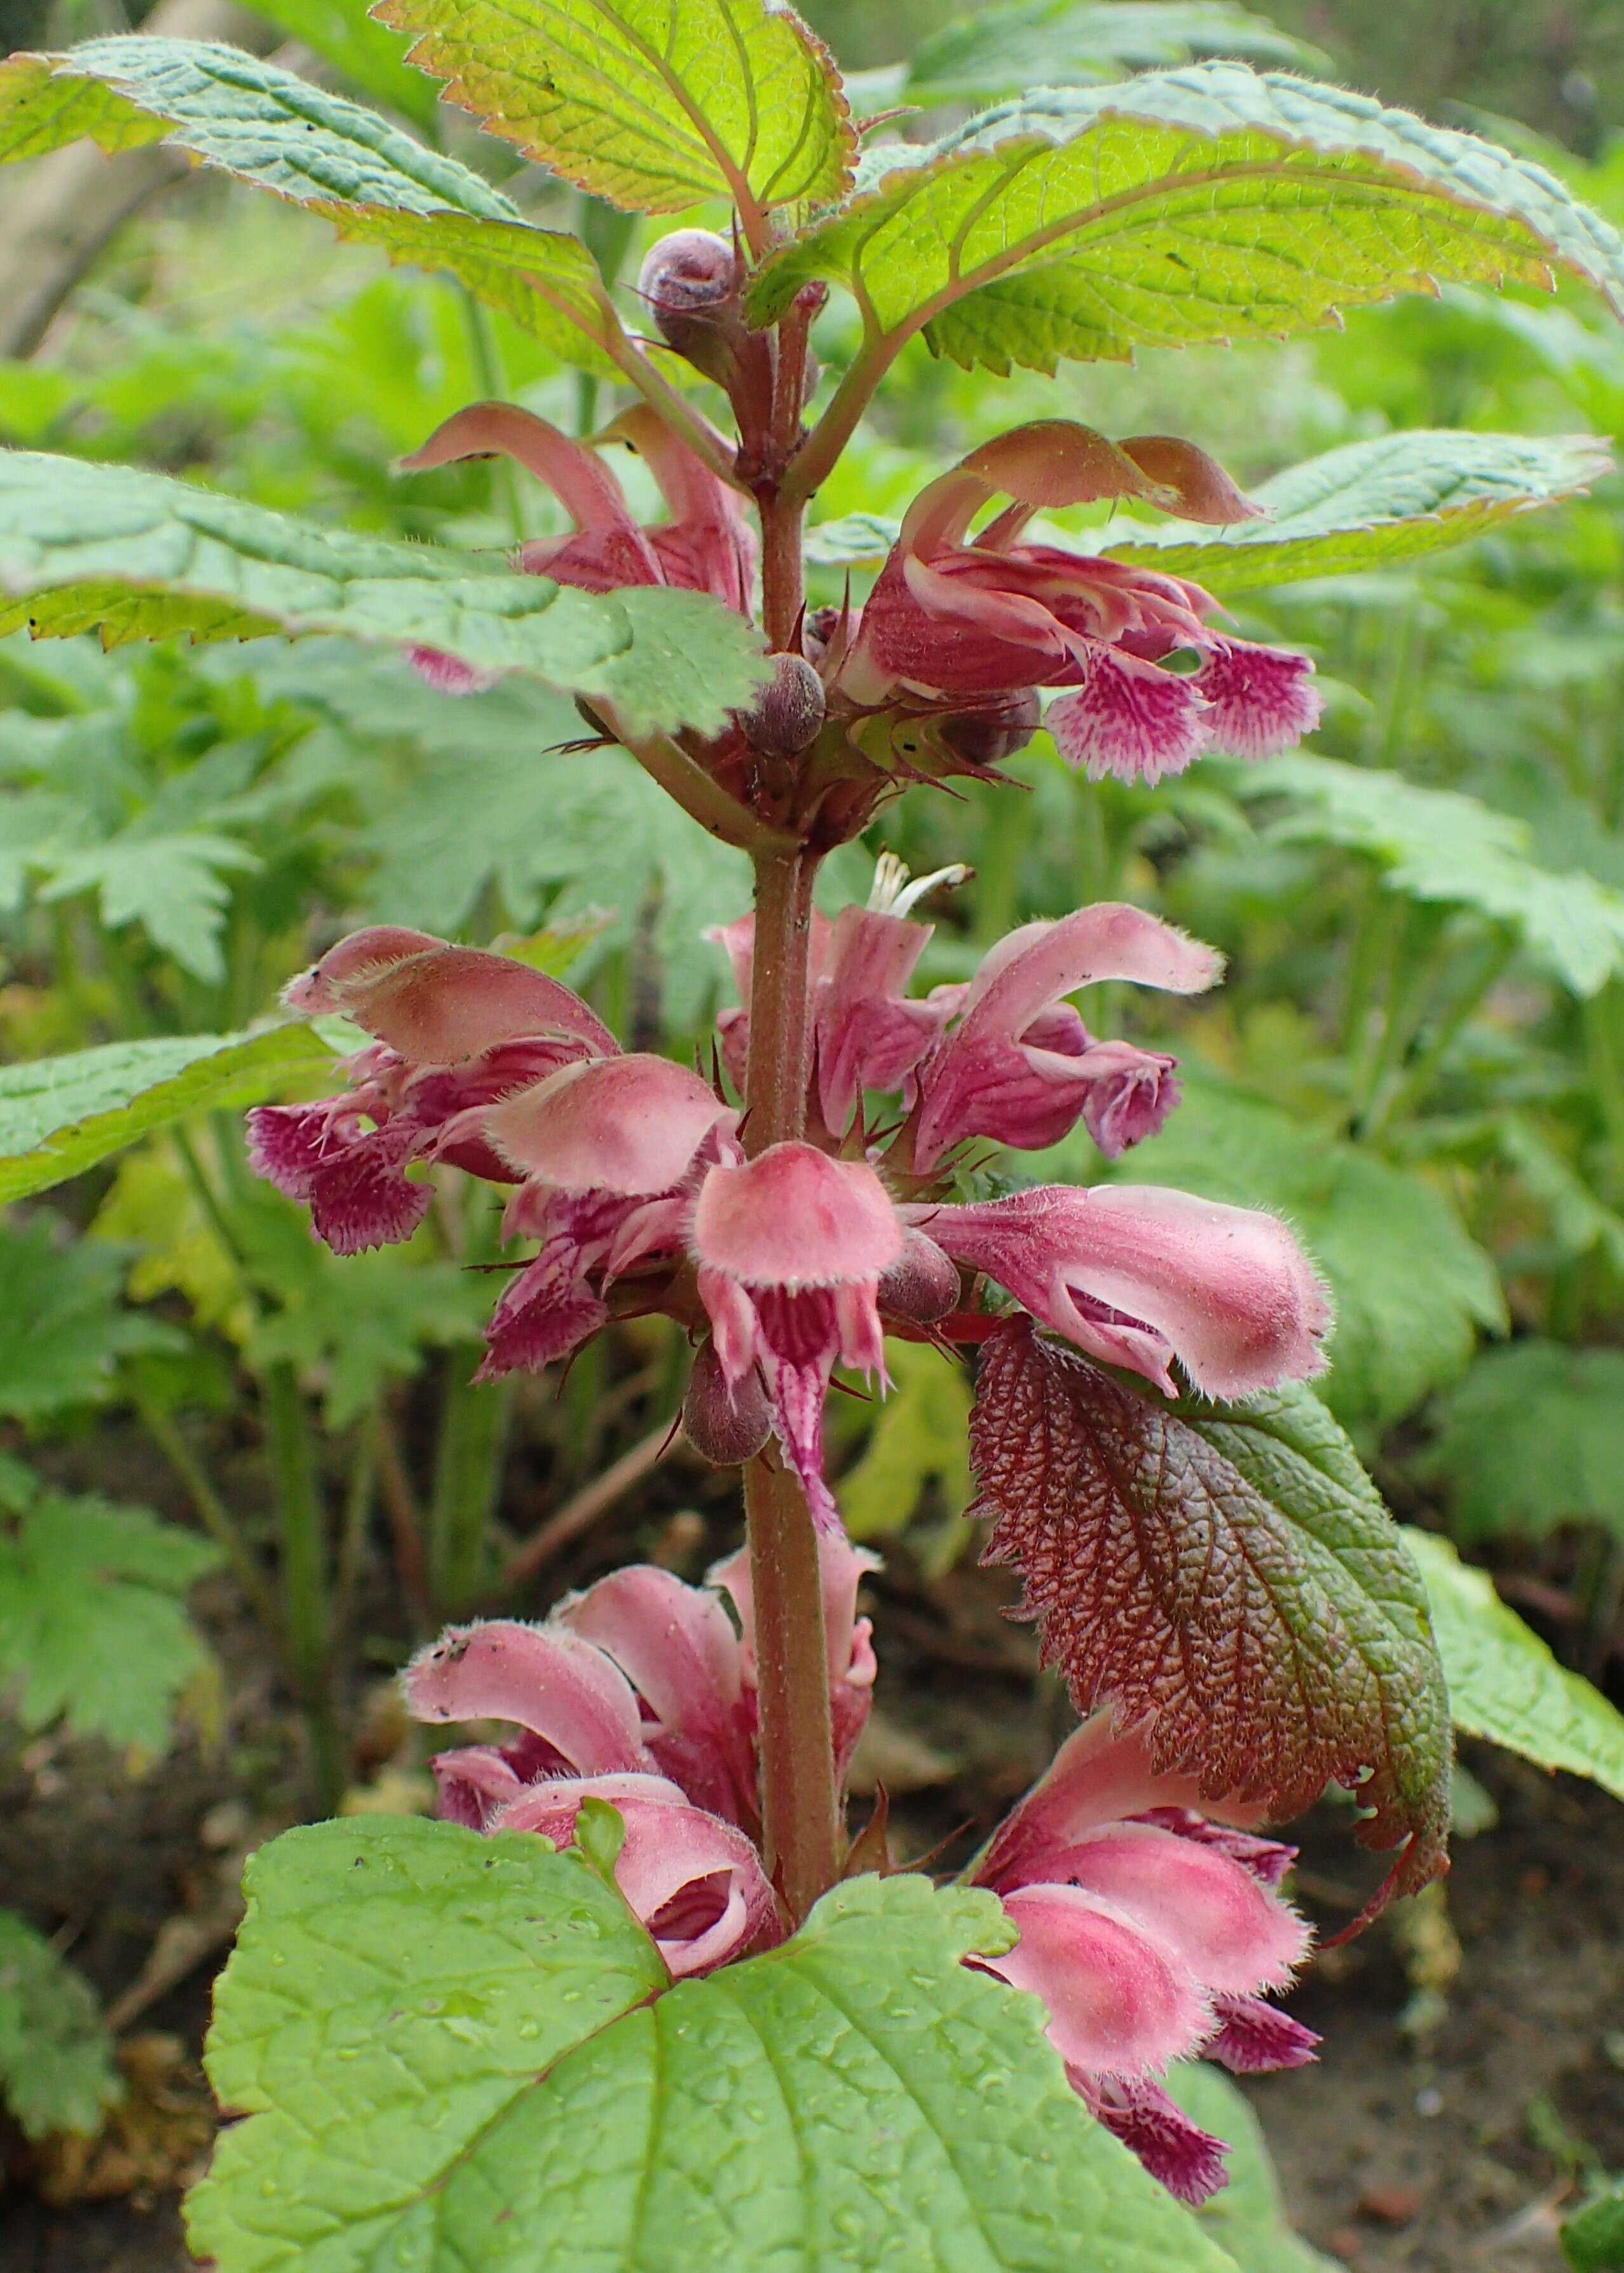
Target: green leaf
[
  {"x": 1533, "y": 1437},
  {"x": 173, "y": 886},
  {"x": 57, "y": 2070},
  {"x": 93, "y": 1629},
  {"x": 77, "y": 1329},
  {"x": 1209, "y": 204},
  {"x": 59, "y": 1116},
  {"x": 1248, "y": 2217},
  {"x": 344, "y": 35},
  {"x": 1503, "y": 1682},
  {"x": 1593, "y": 2238},
  {"x": 918, "y": 1439},
  {"x": 1002, "y": 50},
  {"x": 1370, "y": 504},
  {"x": 147, "y": 557},
  {"x": 1439, "y": 844},
  {"x": 455, "y": 2050},
  {"x": 1410, "y": 1289},
  {"x": 1228, "y": 1573},
  {"x": 269, "y": 127},
  {"x": 653, "y": 104}
]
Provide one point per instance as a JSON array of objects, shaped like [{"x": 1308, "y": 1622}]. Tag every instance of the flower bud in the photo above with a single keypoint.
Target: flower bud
[
  {"x": 726, "y": 1426},
  {"x": 786, "y": 715},
  {"x": 691, "y": 281},
  {"x": 987, "y": 737},
  {"x": 922, "y": 1285}
]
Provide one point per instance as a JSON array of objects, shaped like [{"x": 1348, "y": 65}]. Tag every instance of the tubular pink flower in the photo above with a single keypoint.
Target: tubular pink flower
[
  {"x": 848, "y": 1640},
  {"x": 707, "y": 546},
  {"x": 609, "y": 1150},
  {"x": 677, "y": 1647},
  {"x": 455, "y": 1029},
  {"x": 790, "y": 1246},
  {"x": 696, "y": 1883},
  {"x": 1013, "y": 1070},
  {"x": 868, "y": 1035},
  {"x": 1149, "y": 1932},
  {"x": 548, "y": 1680},
  {"x": 952, "y": 617},
  {"x": 1140, "y": 1275}
]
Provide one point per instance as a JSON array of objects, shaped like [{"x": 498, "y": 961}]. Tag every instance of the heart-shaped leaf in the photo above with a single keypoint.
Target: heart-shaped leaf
[
  {"x": 1229, "y": 1570},
  {"x": 1211, "y": 203},
  {"x": 653, "y": 104},
  {"x": 455, "y": 2050},
  {"x": 146, "y": 556},
  {"x": 271, "y": 127}
]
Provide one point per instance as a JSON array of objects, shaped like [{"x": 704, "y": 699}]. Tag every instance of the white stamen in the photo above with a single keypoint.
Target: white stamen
[{"x": 890, "y": 893}]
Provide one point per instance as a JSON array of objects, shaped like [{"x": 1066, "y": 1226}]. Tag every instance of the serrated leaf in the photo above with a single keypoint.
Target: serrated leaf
[
  {"x": 173, "y": 886},
  {"x": 1371, "y": 504},
  {"x": 93, "y": 1629},
  {"x": 344, "y": 35},
  {"x": 1002, "y": 50},
  {"x": 398, "y": 2019},
  {"x": 1368, "y": 504},
  {"x": 59, "y": 1116},
  {"x": 1503, "y": 1682},
  {"x": 1209, "y": 204},
  {"x": 271, "y": 127},
  {"x": 147, "y": 557},
  {"x": 1229, "y": 1570},
  {"x": 76, "y": 1328},
  {"x": 57, "y": 2070},
  {"x": 1531, "y": 1438},
  {"x": 1592, "y": 2238},
  {"x": 918, "y": 1439},
  {"x": 1442, "y": 845},
  {"x": 653, "y": 104},
  {"x": 1410, "y": 1289},
  {"x": 1247, "y": 2218}
]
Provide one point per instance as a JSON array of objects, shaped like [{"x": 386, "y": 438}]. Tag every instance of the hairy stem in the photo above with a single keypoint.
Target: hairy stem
[
  {"x": 782, "y": 590},
  {"x": 799, "y": 1809}
]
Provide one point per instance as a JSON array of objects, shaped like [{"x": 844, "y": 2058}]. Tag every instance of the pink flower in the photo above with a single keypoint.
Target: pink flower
[
  {"x": 951, "y": 617},
  {"x": 1150, "y": 1933},
  {"x": 1020, "y": 1071},
  {"x": 707, "y": 546},
  {"x": 609, "y": 1152},
  {"x": 640, "y": 1692},
  {"x": 1140, "y": 1275},
  {"x": 455, "y": 1029},
  {"x": 790, "y": 1249}
]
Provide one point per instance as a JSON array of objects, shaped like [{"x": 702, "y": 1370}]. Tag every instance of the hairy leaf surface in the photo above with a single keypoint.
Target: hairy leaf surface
[
  {"x": 1368, "y": 504},
  {"x": 1229, "y": 1570},
  {"x": 1503, "y": 1682},
  {"x": 653, "y": 104},
  {"x": 93, "y": 1629},
  {"x": 273, "y": 128},
  {"x": 146, "y": 556},
  {"x": 1440, "y": 844},
  {"x": 1207, "y": 204},
  {"x": 59, "y": 1116},
  {"x": 456, "y": 2050},
  {"x": 57, "y": 2070}
]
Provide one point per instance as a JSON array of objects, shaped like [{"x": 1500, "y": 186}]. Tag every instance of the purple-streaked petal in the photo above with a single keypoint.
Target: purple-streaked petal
[
  {"x": 1130, "y": 1093},
  {"x": 1129, "y": 719},
  {"x": 360, "y": 1197},
  {"x": 542, "y": 1678},
  {"x": 1253, "y": 2039},
  {"x": 1187, "y": 2161},
  {"x": 545, "y": 1312},
  {"x": 1259, "y": 699}
]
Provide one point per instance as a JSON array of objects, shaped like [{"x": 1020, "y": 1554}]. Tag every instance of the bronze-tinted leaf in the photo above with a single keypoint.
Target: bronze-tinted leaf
[{"x": 1228, "y": 1570}]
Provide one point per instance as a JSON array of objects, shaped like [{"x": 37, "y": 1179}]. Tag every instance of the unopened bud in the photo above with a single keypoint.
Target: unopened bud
[
  {"x": 922, "y": 1285},
  {"x": 785, "y": 717},
  {"x": 725, "y": 1426},
  {"x": 986, "y": 738},
  {"x": 691, "y": 281}
]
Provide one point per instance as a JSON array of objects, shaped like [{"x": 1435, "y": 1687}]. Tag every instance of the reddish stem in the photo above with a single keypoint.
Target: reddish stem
[{"x": 799, "y": 1804}]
